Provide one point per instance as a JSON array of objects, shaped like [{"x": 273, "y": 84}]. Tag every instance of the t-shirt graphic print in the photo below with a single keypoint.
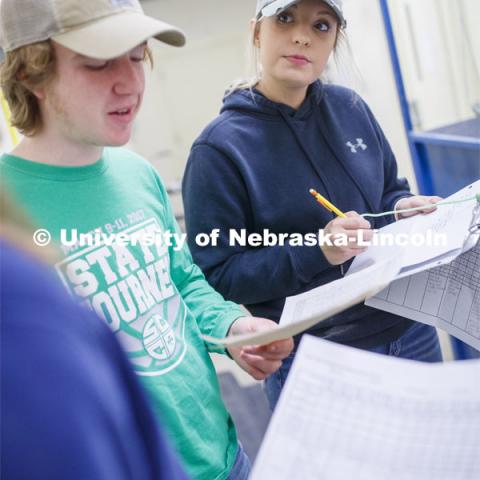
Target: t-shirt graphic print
[{"x": 126, "y": 280}]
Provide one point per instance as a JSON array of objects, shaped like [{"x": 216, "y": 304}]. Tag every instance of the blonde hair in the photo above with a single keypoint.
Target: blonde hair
[
  {"x": 254, "y": 67},
  {"x": 25, "y": 70}
]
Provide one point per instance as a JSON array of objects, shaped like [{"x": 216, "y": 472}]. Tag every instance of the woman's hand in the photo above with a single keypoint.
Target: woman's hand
[
  {"x": 343, "y": 236},
  {"x": 413, "y": 202},
  {"x": 259, "y": 361}
]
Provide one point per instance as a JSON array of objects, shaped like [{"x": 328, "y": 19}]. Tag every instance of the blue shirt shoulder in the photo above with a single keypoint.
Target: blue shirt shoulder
[{"x": 71, "y": 405}]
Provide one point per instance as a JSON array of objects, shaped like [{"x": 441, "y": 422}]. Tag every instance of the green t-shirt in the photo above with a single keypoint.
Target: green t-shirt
[{"x": 154, "y": 297}]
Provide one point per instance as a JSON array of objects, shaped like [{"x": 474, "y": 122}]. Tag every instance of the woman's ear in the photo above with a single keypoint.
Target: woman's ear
[{"x": 255, "y": 29}]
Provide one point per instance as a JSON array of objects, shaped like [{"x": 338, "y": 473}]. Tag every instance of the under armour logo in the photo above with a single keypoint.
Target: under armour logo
[{"x": 359, "y": 144}]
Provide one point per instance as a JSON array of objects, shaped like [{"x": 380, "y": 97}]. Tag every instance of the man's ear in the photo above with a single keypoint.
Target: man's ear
[{"x": 39, "y": 93}]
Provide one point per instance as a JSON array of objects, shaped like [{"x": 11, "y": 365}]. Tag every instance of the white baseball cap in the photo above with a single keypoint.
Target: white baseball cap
[
  {"x": 269, "y": 8},
  {"x": 102, "y": 29}
]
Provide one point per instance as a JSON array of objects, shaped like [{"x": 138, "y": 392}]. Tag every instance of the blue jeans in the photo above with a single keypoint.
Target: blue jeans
[
  {"x": 242, "y": 466},
  {"x": 420, "y": 342}
]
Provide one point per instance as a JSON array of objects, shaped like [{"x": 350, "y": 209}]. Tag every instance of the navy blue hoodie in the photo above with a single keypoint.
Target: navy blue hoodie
[{"x": 252, "y": 169}]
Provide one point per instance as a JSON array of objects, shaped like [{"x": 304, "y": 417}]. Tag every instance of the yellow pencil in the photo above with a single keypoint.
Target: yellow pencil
[{"x": 329, "y": 206}]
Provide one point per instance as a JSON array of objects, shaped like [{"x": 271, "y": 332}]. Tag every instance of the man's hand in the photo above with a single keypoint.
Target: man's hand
[
  {"x": 416, "y": 201},
  {"x": 259, "y": 361}
]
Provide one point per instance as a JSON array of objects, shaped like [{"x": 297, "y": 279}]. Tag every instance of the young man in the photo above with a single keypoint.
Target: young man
[{"x": 73, "y": 76}]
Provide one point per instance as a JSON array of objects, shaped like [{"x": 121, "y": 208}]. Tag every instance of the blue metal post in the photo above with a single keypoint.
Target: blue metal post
[
  {"x": 417, "y": 145},
  {"x": 419, "y": 158}
]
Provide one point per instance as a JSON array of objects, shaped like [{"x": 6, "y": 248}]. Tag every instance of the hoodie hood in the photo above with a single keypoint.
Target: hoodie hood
[{"x": 253, "y": 102}]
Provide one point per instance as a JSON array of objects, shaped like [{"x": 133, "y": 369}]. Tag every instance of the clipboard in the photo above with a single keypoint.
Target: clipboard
[{"x": 475, "y": 224}]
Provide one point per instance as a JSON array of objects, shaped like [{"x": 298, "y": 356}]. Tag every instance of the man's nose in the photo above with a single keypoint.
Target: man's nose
[{"x": 129, "y": 77}]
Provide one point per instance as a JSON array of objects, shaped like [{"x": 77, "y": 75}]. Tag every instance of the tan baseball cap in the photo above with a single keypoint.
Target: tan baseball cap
[{"x": 102, "y": 29}]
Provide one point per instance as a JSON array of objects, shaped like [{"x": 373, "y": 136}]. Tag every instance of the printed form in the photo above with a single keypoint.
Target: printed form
[
  {"x": 346, "y": 413},
  {"x": 447, "y": 297},
  {"x": 437, "y": 286}
]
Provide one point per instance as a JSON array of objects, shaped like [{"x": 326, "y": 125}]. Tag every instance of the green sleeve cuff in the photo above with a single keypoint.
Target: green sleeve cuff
[{"x": 223, "y": 325}]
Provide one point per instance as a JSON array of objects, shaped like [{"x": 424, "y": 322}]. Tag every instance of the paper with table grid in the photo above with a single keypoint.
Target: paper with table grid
[
  {"x": 346, "y": 413},
  {"x": 447, "y": 297},
  {"x": 439, "y": 287}
]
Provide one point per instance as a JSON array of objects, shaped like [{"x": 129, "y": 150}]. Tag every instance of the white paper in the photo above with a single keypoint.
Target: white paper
[
  {"x": 447, "y": 297},
  {"x": 453, "y": 221},
  {"x": 351, "y": 414},
  {"x": 307, "y": 309},
  {"x": 345, "y": 292}
]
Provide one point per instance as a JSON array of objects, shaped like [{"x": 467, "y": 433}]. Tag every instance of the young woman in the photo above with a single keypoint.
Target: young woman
[{"x": 252, "y": 167}]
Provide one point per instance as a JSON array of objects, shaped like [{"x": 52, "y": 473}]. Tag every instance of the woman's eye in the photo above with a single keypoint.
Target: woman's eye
[
  {"x": 323, "y": 26},
  {"x": 137, "y": 59},
  {"x": 284, "y": 18}
]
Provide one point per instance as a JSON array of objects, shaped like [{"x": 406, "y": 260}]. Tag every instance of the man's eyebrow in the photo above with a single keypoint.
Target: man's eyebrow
[{"x": 79, "y": 56}]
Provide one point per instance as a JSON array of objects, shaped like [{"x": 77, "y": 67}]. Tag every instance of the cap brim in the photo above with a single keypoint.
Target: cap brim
[
  {"x": 117, "y": 34},
  {"x": 276, "y": 7},
  {"x": 279, "y": 6}
]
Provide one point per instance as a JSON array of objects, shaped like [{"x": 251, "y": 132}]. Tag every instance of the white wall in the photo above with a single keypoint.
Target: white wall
[
  {"x": 186, "y": 87},
  {"x": 439, "y": 49}
]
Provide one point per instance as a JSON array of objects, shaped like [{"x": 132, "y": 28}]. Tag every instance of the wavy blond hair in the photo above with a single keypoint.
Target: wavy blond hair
[{"x": 23, "y": 71}]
